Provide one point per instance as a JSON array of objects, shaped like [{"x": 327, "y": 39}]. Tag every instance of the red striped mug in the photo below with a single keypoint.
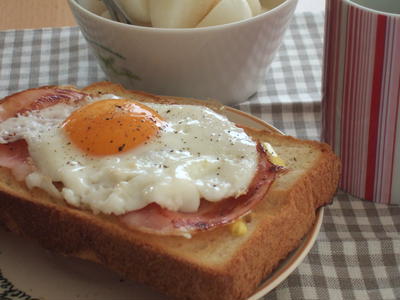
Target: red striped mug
[{"x": 361, "y": 95}]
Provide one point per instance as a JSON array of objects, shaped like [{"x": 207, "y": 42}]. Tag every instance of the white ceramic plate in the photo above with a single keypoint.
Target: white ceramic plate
[{"x": 29, "y": 272}]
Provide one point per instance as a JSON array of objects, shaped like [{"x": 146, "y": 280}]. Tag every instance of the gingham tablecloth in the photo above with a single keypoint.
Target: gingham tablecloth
[{"x": 357, "y": 253}]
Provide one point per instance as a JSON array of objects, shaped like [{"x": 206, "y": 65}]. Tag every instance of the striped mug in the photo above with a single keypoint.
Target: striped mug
[{"x": 361, "y": 95}]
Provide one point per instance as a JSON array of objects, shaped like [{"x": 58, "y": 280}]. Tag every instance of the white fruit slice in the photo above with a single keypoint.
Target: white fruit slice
[
  {"x": 178, "y": 13},
  {"x": 270, "y": 4},
  {"x": 227, "y": 11},
  {"x": 255, "y": 6},
  {"x": 137, "y": 10}
]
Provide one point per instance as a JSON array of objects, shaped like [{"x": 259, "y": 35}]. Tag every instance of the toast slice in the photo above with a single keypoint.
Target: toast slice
[{"x": 209, "y": 266}]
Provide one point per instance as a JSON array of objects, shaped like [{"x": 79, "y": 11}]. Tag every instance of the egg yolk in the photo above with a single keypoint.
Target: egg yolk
[{"x": 111, "y": 126}]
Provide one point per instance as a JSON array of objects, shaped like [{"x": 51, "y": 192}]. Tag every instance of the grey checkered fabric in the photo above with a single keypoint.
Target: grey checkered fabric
[{"x": 357, "y": 253}]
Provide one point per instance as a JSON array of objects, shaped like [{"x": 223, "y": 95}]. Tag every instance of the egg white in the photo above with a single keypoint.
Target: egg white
[{"x": 199, "y": 154}]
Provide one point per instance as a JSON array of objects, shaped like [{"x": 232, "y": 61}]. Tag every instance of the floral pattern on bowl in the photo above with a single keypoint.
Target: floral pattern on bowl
[{"x": 108, "y": 60}]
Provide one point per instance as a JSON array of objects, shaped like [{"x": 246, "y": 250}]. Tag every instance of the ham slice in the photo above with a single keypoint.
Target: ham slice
[
  {"x": 152, "y": 218},
  {"x": 157, "y": 220},
  {"x": 36, "y": 99},
  {"x": 15, "y": 155}
]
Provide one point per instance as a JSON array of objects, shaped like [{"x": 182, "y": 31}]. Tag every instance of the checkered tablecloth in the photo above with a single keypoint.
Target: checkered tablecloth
[{"x": 357, "y": 253}]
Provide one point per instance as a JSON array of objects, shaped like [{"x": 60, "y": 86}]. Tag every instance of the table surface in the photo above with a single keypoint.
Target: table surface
[{"x": 20, "y": 14}]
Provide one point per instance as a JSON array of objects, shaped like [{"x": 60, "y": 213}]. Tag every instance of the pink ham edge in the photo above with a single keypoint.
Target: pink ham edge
[
  {"x": 15, "y": 156},
  {"x": 36, "y": 99},
  {"x": 157, "y": 220}
]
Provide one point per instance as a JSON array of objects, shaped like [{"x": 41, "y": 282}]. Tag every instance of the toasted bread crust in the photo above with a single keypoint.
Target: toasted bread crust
[{"x": 212, "y": 265}]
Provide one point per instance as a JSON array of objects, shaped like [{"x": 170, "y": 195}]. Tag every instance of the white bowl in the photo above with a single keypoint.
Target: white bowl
[{"x": 225, "y": 62}]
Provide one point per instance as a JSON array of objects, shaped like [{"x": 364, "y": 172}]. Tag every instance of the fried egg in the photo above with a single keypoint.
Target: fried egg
[{"x": 115, "y": 155}]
